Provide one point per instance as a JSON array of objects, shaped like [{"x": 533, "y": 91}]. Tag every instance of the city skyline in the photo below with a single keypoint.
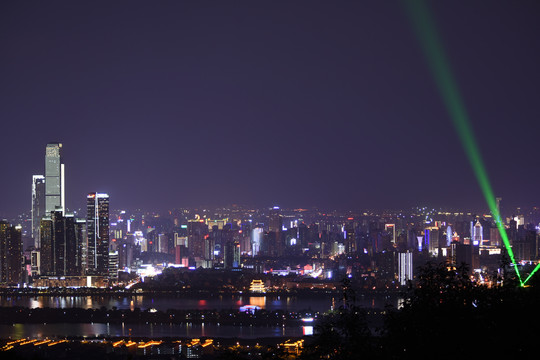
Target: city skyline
[{"x": 185, "y": 105}]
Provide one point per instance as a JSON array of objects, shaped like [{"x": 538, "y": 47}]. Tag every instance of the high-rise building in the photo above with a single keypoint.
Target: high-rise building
[
  {"x": 499, "y": 201},
  {"x": 231, "y": 255},
  {"x": 349, "y": 235},
  {"x": 197, "y": 231},
  {"x": 97, "y": 229},
  {"x": 38, "y": 206},
  {"x": 276, "y": 239},
  {"x": 432, "y": 239},
  {"x": 405, "y": 267},
  {"x": 62, "y": 239},
  {"x": 54, "y": 178},
  {"x": 46, "y": 260},
  {"x": 477, "y": 233},
  {"x": 10, "y": 254},
  {"x": 257, "y": 236},
  {"x": 113, "y": 264},
  {"x": 275, "y": 220}
]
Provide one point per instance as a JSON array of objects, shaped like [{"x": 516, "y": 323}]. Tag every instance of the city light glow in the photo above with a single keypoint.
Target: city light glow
[{"x": 449, "y": 91}]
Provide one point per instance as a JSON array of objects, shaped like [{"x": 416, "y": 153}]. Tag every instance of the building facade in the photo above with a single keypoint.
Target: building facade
[
  {"x": 38, "y": 206},
  {"x": 11, "y": 257},
  {"x": 54, "y": 178},
  {"x": 97, "y": 229}
]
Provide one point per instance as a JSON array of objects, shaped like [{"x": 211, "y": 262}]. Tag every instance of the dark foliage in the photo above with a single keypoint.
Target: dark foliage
[
  {"x": 445, "y": 315},
  {"x": 449, "y": 315},
  {"x": 343, "y": 334}
]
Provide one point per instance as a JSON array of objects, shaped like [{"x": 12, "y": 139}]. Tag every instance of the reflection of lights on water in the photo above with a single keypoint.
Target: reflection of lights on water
[
  {"x": 259, "y": 301},
  {"x": 249, "y": 308},
  {"x": 307, "y": 330},
  {"x": 35, "y": 303}
]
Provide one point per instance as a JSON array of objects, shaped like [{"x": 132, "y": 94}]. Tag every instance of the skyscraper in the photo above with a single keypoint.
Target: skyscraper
[
  {"x": 62, "y": 242},
  {"x": 10, "y": 253},
  {"x": 405, "y": 267},
  {"x": 276, "y": 238},
  {"x": 477, "y": 233},
  {"x": 38, "y": 206},
  {"x": 275, "y": 220},
  {"x": 54, "y": 178},
  {"x": 97, "y": 225}
]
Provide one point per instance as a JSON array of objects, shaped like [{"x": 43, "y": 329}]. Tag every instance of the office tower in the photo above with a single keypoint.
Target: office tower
[
  {"x": 54, "y": 178},
  {"x": 197, "y": 230},
  {"x": 405, "y": 267},
  {"x": 97, "y": 229},
  {"x": 35, "y": 262},
  {"x": 464, "y": 254},
  {"x": 303, "y": 235},
  {"x": 113, "y": 264},
  {"x": 448, "y": 235},
  {"x": 78, "y": 264},
  {"x": 59, "y": 242},
  {"x": 163, "y": 243},
  {"x": 10, "y": 254},
  {"x": 38, "y": 206},
  {"x": 350, "y": 241},
  {"x": 432, "y": 239},
  {"x": 209, "y": 246},
  {"x": 62, "y": 245},
  {"x": 391, "y": 229},
  {"x": 276, "y": 239},
  {"x": 499, "y": 201},
  {"x": 231, "y": 255},
  {"x": 477, "y": 233},
  {"x": 495, "y": 237},
  {"x": 46, "y": 260},
  {"x": 257, "y": 235},
  {"x": 275, "y": 220}
]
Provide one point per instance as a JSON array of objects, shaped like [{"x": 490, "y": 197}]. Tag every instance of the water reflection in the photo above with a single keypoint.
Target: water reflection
[
  {"x": 259, "y": 301},
  {"x": 268, "y": 302},
  {"x": 34, "y": 303}
]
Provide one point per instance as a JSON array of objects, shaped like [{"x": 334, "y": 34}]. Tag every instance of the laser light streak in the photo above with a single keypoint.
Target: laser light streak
[{"x": 448, "y": 89}]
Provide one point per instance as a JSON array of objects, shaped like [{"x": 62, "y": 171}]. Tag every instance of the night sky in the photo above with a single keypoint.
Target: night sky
[{"x": 168, "y": 104}]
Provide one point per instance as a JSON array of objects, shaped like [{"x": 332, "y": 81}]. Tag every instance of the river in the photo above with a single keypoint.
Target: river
[
  {"x": 186, "y": 330},
  {"x": 222, "y": 302}
]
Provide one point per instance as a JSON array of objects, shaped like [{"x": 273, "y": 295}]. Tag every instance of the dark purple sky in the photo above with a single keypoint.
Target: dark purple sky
[{"x": 298, "y": 103}]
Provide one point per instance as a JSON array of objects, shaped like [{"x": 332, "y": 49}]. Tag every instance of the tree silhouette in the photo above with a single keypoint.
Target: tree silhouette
[{"x": 342, "y": 334}]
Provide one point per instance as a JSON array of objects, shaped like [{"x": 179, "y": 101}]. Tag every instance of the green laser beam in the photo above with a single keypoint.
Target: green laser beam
[
  {"x": 531, "y": 274},
  {"x": 448, "y": 88}
]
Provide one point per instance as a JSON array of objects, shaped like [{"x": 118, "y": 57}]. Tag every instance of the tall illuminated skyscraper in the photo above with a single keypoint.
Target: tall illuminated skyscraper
[
  {"x": 477, "y": 233},
  {"x": 405, "y": 267},
  {"x": 97, "y": 229},
  {"x": 54, "y": 178},
  {"x": 38, "y": 206}
]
